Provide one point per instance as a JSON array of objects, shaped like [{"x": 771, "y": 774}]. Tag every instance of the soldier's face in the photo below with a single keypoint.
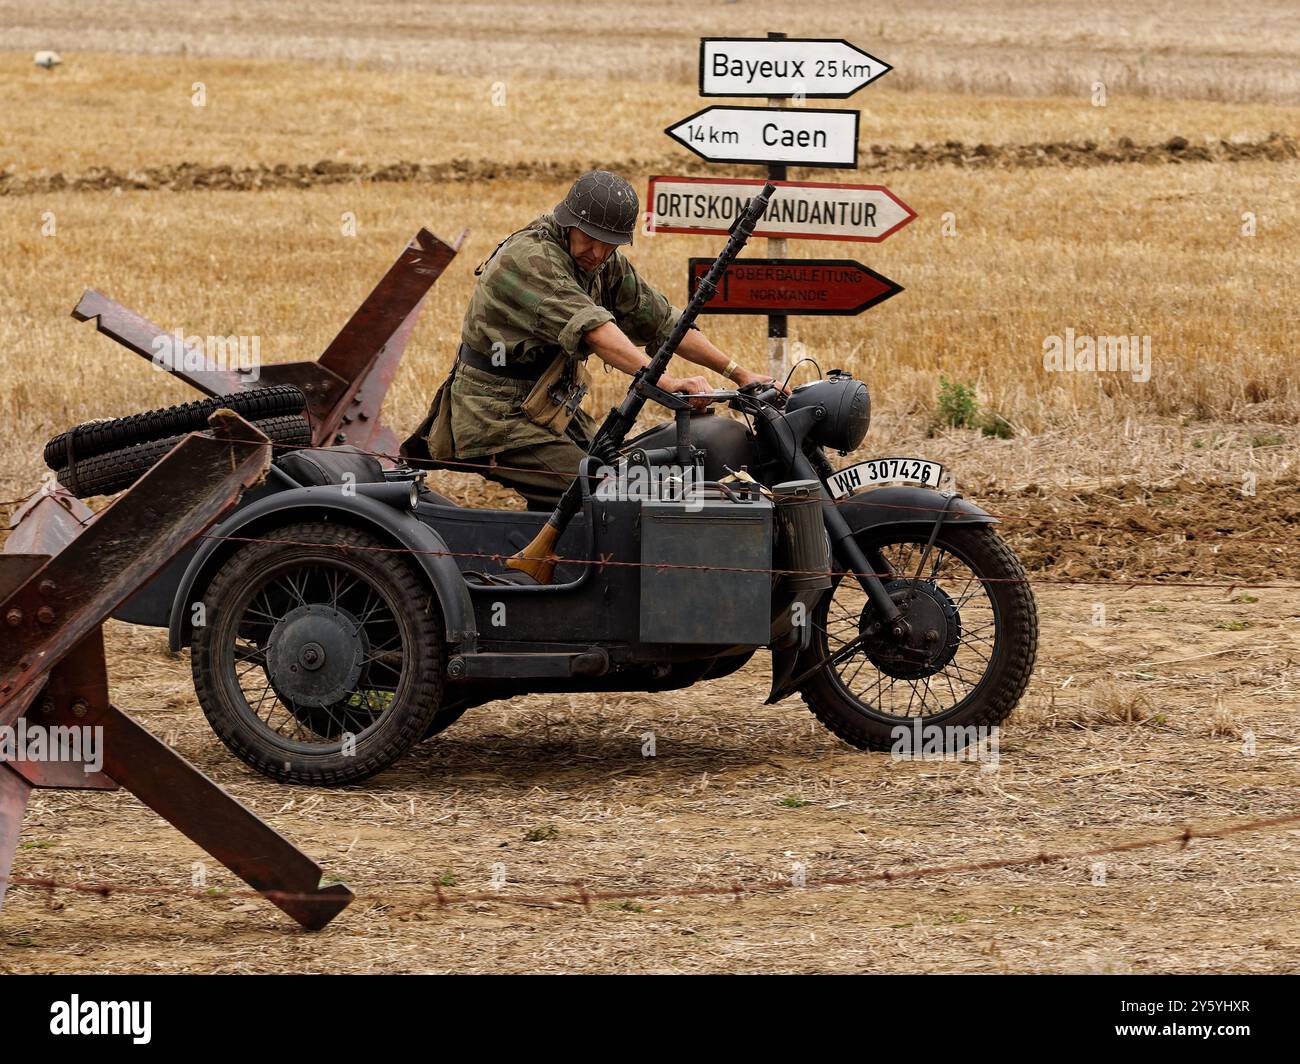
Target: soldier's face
[{"x": 588, "y": 252}]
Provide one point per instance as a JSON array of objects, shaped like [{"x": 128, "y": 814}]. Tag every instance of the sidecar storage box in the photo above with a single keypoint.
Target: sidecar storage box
[{"x": 718, "y": 605}]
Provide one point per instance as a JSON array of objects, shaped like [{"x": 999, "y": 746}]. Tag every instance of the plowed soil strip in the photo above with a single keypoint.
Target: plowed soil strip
[{"x": 1277, "y": 147}]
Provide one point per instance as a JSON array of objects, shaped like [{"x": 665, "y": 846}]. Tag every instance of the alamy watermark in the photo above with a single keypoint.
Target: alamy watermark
[
  {"x": 654, "y": 483},
  {"x": 240, "y": 354},
  {"x": 946, "y": 742},
  {"x": 1074, "y": 353},
  {"x": 77, "y": 1017},
  {"x": 82, "y": 745}
]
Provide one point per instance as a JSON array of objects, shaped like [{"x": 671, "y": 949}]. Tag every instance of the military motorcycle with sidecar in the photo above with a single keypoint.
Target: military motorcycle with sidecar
[{"x": 344, "y": 611}]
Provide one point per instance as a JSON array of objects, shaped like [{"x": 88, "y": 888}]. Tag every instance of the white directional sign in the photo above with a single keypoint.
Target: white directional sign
[
  {"x": 800, "y": 136},
  {"x": 791, "y": 66},
  {"x": 806, "y": 210}
]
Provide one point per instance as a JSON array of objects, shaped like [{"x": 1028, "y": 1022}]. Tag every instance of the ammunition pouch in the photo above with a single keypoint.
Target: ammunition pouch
[{"x": 553, "y": 401}]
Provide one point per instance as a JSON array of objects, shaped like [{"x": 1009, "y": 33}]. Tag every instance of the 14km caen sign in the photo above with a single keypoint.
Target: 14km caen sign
[
  {"x": 793, "y": 286},
  {"x": 799, "y": 136}
]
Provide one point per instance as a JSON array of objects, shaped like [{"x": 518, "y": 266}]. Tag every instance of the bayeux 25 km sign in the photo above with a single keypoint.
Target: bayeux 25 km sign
[
  {"x": 808, "y": 210},
  {"x": 789, "y": 66},
  {"x": 793, "y": 286}
]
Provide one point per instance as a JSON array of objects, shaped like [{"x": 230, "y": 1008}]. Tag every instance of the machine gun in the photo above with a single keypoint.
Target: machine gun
[{"x": 538, "y": 558}]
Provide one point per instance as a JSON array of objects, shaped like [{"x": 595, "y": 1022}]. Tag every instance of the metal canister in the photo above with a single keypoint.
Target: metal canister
[{"x": 802, "y": 547}]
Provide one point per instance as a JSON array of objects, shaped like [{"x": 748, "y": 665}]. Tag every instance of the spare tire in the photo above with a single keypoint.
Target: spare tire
[
  {"x": 104, "y": 474},
  {"x": 100, "y": 437}
]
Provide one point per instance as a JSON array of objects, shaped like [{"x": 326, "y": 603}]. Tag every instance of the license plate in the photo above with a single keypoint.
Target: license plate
[{"x": 884, "y": 471}]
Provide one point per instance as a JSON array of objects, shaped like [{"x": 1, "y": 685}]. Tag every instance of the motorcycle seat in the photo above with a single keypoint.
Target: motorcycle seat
[{"x": 330, "y": 465}]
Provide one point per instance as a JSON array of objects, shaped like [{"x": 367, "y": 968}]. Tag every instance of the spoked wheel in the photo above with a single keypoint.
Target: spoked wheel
[
  {"x": 321, "y": 659},
  {"x": 969, "y": 652}
]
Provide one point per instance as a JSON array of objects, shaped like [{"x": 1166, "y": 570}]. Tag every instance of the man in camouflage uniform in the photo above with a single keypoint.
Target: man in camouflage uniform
[{"x": 556, "y": 288}]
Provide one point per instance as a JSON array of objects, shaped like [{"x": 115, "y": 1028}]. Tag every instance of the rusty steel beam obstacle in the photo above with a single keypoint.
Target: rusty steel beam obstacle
[
  {"x": 63, "y": 570},
  {"x": 345, "y": 386}
]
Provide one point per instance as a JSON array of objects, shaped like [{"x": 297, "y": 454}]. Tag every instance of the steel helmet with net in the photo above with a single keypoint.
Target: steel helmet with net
[{"x": 602, "y": 205}]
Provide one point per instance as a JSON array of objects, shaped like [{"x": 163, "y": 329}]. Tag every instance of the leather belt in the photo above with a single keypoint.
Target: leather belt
[{"x": 519, "y": 371}]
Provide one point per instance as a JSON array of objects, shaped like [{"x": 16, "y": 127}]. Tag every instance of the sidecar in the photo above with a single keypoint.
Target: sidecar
[
  {"x": 300, "y": 604},
  {"x": 658, "y": 588}
]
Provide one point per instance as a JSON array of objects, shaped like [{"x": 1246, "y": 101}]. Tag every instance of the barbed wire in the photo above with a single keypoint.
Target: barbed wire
[
  {"x": 736, "y": 888},
  {"x": 581, "y": 894},
  {"x": 606, "y": 560},
  {"x": 482, "y": 468}
]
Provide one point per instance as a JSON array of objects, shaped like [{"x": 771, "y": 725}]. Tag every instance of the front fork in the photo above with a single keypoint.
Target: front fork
[{"x": 846, "y": 548}]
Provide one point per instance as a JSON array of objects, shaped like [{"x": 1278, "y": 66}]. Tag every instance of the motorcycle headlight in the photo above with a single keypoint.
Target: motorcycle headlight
[{"x": 846, "y": 406}]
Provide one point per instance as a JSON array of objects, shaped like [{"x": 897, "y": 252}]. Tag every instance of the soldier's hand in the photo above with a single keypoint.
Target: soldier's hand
[
  {"x": 742, "y": 377},
  {"x": 689, "y": 385}
]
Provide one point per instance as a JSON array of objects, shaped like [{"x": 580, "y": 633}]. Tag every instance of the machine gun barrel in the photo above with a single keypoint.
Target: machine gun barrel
[{"x": 538, "y": 558}]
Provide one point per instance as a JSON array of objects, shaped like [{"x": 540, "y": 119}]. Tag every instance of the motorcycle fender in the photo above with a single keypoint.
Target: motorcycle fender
[
  {"x": 784, "y": 660},
  {"x": 789, "y": 642},
  {"x": 904, "y": 504},
  {"x": 398, "y": 526}
]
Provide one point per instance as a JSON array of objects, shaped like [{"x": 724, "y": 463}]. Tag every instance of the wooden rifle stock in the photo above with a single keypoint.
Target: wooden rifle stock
[{"x": 538, "y": 558}]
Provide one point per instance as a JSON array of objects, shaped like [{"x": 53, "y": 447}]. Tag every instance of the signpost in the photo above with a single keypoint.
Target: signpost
[
  {"x": 782, "y": 69},
  {"x": 793, "y": 286},
  {"x": 778, "y": 325},
  {"x": 803, "y": 136},
  {"x": 785, "y": 66},
  {"x": 801, "y": 210}
]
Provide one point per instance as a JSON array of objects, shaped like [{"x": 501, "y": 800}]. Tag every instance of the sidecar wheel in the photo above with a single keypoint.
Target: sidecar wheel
[
  {"x": 976, "y": 639},
  {"x": 322, "y": 657}
]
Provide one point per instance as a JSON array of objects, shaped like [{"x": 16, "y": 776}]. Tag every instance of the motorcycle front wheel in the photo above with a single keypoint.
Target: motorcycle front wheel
[{"x": 968, "y": 654}]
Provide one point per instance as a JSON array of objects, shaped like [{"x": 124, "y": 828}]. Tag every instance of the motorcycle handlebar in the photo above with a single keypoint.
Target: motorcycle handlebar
[{"x": 758, "y": 393}]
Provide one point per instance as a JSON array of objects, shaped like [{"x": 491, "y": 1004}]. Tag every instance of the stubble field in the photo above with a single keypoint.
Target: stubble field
[{"x": 1132, "y": 218}]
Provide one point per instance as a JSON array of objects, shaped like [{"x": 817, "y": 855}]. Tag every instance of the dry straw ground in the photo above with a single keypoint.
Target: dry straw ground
[{"x": 1118, "y": 219}]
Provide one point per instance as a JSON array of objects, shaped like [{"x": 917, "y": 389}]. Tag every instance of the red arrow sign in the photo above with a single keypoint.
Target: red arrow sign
[{"x": 793, "y": 286}]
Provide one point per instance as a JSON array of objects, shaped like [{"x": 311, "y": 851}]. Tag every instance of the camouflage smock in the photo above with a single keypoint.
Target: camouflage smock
[{"x": 532, "y": 296}]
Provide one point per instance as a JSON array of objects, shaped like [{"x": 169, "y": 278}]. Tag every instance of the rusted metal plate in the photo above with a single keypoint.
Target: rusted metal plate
[
  {"x": 389, "y": 304},
  {"x": 75, "y": 685},
  {"x": 59, "y": 775},
  {"x": 360, "y": 424},
  {"x": 201, "y": 810},
  {"x": 15, "y": 569},
  {"x": 47, "y": 522},
  {"x": 346, "y": 387},
  {"x": 142, "y": 336},
  {"x": 13, "y": 802},
  {"x": 124, "y": 546},
  {"x": 21, "y": 702}
]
